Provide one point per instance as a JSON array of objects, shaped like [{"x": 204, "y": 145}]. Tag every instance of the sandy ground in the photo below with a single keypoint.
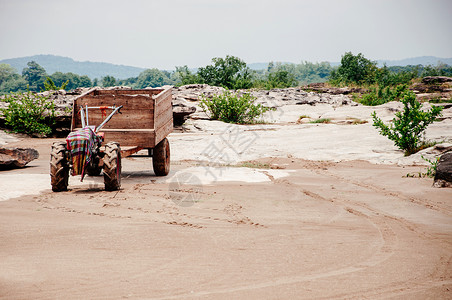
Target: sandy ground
[{"x": 320, "y": 220}]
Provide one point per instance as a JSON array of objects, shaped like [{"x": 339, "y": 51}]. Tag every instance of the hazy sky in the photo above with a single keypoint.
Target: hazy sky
[{"x": 168, "y": 33}]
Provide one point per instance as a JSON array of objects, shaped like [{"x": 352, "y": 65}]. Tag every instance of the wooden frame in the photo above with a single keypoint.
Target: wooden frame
[{"x": 146, "y": 119}]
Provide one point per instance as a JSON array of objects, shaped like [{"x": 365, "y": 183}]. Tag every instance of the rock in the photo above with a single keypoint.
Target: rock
[
  {"x": 443, "y": 177},
  {"x": 180, "y": 114},
  {"x": 436, "y": 79},
  {"x": 16, "y": 157}
]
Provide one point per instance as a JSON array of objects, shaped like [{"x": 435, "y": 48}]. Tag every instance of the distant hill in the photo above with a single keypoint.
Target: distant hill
[
  {"x": 422, "y": 60},
  {"x": 53, "y": 63}
]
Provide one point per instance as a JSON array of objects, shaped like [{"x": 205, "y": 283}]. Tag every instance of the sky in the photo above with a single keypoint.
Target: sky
[{"x": 167, "y": 33}]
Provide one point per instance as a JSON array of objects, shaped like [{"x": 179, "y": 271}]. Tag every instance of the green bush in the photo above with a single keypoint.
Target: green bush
[
  {"x": 233, "y": 107},
  {"x": 378, "y": 95},
  {"x": 49, "y": 85},
  {"x": 408, "y": 125},
  {"x": 29, "y": 113}
]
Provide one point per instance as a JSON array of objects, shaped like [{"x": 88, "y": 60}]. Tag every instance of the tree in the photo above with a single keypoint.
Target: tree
[
  {"x": 281, "y": 79},
  {"x": 35, "y": 75},
  {"x": 231, "y": 73},
  {"x": 152, "y": 78},
  {"x": 186, "y": 76},
  {"x": 6, "y": 73},
  {"x": 408, "y": 125},
  {"x": 49, "y": 85},
  {"x": 10, "y": 81},
  {"x": 84, "y": 81},
  {"x": 15, "y": 84},
  {"x": 108, "y": 81},
  {"x": 355, "y": 69}
]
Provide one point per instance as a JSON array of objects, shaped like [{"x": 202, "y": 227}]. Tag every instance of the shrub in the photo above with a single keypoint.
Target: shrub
[
  {"x": 378, "y": 96},
  {"x": 408, "y": 125},
  {"x": 29, "y": 113},
  {"x": 49, "y": 85},
  {"x": 233, "y": 108}
]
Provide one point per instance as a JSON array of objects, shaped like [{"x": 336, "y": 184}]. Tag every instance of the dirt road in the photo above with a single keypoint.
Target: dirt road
[{"x": 325, "y": 230}]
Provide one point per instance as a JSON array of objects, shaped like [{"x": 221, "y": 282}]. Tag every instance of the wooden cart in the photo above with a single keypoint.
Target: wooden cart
[{"x": 145, "y": 120}]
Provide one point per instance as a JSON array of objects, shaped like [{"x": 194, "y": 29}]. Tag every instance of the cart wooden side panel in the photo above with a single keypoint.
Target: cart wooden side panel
[
  {"x": 163, "y": 115},
  {"x": 146, "y": 118}
]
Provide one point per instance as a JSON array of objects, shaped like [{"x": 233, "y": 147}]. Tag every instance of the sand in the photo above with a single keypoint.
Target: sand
[{"x": 326, "y": 212}]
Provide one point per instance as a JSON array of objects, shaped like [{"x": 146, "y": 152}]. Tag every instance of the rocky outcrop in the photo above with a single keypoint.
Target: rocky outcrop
[
  {"x": 436, "y": 79},
  {"x": 443, "y": 177},
  {"x": 187, "y": 97},
  {"x": 324, "y": 88},
  {"x": 16, "y": 157}
]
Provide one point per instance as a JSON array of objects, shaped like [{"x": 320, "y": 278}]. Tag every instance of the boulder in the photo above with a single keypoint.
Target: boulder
[
  {"x": 443, "y": 177},
  {"x": 436, "y": 79},
  {"x": 16, "y": 157}
]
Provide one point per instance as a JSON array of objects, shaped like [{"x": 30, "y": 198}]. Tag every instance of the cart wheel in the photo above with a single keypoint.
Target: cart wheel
[
  {"x": 93, "y": 168},
  {"x": 161, "y": 158},
  {"x": 112, "y": 167},
  {"x": 59, "y": 167}
]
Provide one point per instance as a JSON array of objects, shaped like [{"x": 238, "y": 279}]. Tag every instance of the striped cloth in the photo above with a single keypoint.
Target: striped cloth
[{"x": 81, "y": 144}]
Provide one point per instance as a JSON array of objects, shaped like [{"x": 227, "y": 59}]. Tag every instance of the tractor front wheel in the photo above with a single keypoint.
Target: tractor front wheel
[
  {"x": 112, "y": 167},
  {"x": 59, "y": 167}
]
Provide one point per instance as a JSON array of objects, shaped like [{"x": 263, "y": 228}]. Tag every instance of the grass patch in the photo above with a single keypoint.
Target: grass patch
[
  {"x": 253, "y": 165},
  {"x": 322, "y": 120},
  {"x": 356, "y": 121}
]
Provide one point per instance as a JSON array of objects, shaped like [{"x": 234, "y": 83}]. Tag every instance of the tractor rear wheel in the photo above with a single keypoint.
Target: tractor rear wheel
[
  {"x": 161, "y": 158},
  {"x": 59, "y": 167},
  {"x": 112, "y": 167}
]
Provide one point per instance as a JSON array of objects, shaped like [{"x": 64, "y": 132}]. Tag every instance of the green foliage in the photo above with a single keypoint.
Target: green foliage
[
  {"x": 152, "y": 78},
  {"x": 49, "y": 85},
  {"x": 108, "y": 81},
  {"x": 354, "y": 69},
  {"x": 431, "y": 169},
  {"x": 184, "y": 76},
  {"x": 280, "y": 79},
  {"x": 307, "y": 72},
  {"x": 73, "y": 80},
  {"x": 384, "y": 77},
  {"x": 6, "y": 73},
  {"x": 14, "y": 84},
  {"x": 29, "y": 113},
  {"x": 230, "y": 73},
  {"x": 35, "y": 76},
  {"x": 379, "y": 95},
  {"x": 408, "y": 125},
  {"x": 233, "y": 107},
  {"x": 439, "y": 70}
]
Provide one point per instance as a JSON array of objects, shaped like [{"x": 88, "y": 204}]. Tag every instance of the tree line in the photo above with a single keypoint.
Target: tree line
[{"x": 230, "y": 72}]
